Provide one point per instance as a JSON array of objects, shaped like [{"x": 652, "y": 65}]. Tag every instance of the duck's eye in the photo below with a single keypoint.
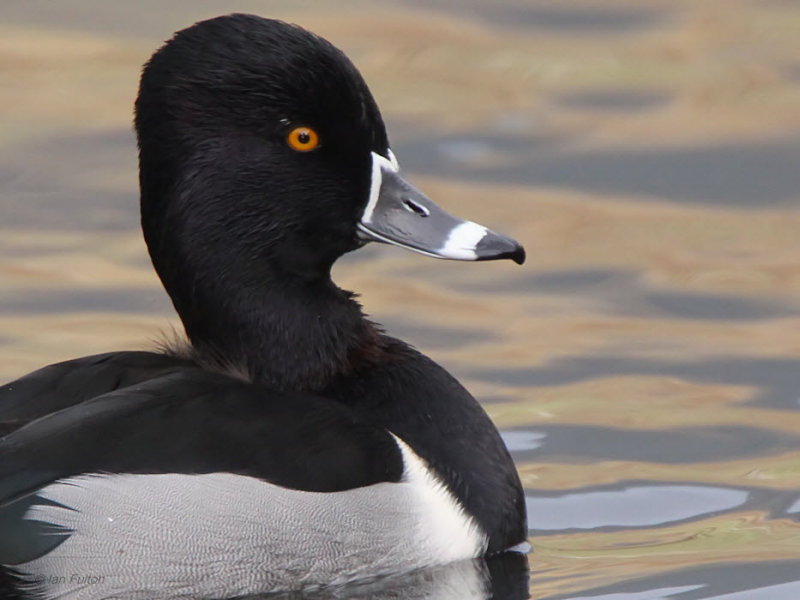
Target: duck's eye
[{"x": 303, "y": 139}]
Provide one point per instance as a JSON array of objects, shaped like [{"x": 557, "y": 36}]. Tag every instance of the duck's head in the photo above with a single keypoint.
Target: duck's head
[
  {"x": 263, "y": 158},
  {"x": 261, "y": 140}
]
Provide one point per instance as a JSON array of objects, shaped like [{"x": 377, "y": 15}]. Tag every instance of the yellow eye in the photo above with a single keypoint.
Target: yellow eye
[{"x": 303, "y": 139}]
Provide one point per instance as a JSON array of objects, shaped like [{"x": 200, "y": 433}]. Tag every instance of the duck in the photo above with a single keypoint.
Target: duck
[{"x": 288, "y": 442}]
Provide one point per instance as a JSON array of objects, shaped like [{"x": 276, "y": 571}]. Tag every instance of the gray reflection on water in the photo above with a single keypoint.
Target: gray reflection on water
[
  {"x": 641, "y": 506},
  {"x": 466, "y": 151},
  {"x": 136, "y": 18},
  {"x": 714, "y": 307},
  {"x": 794, "y": 508},
  {"x": 152, "y": 18},
  {"x": 61, "y": 182},
  {"x": 566, "y": 281},
  {"x": 555, "y": 17},
  {"x": 778, "y": 379},
  {"x": 744, "y": 174},
  {"x": 622, "y": 291},
  {"x": 614, "y": 100},
  {"x": 659, "y": 594},
  {"x": 572, "y": 280},
  {"x": 521, "y": 441},
  {"x": 113, "y": 300},
  {"x": 774, "y": 580},
  {"x": 432, "y": 337},
  {"x": 687, "y": 445},
  {"x": 70, "y": 209},
  {"x": 791, "y": 72},
  {"x": 788, "y": 591}
]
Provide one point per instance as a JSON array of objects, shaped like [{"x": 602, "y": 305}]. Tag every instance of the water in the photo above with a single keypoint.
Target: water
[{"x": 643, "y": 366}]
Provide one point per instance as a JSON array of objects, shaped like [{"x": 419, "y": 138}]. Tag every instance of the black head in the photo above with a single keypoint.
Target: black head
[{"x": 216, "y": 107}]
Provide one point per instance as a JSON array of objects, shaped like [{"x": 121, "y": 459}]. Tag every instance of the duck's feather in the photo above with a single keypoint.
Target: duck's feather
[
  {"x": 194, "y": 421},
  {"x": 64, "y": 384}
]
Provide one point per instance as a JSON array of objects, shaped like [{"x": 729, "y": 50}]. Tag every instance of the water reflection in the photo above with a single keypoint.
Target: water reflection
[
  {"x": 781, "y": 591},
  {"x": 501, "y": 577},
  {"x": 131, "y": 301},
  {"x": 775, "y": 581},
  {"x": 777, "y": 379},
  {"x": 721, "y": 174},
  {"x": 658, "y": 594},
  {"x": 80, "y": 174},
  {"x": 629, "y": 507},
  {"x": 614, "y": 100},
  {"x": 520, "y": 441},
  {"x": 668, "y": 446},
  {"x": 546, "y": 16}
]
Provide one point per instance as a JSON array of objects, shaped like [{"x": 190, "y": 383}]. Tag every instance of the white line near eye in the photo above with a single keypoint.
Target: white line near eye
[{"x": 378, "y": 164}]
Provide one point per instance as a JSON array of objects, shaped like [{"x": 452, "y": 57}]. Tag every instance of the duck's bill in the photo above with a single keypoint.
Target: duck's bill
[{"x": 398, "y": 213}]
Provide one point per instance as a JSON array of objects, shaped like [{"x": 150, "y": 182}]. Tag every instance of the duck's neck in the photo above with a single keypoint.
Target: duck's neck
[{"x": 291, "y": 335}]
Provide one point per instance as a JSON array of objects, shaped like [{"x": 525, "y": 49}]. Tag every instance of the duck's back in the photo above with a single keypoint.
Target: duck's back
[
  {"x": 146, "y": 412},
  {"x": 189, "y": 465},
  {"x": 65, "y": 384}
]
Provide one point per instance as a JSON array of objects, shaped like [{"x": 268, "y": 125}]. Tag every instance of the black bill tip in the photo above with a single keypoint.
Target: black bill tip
[{"x": 494, "y": 246}]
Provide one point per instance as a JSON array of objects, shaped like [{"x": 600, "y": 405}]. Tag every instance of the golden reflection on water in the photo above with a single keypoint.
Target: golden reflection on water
[
  {"x": 687, "y": 294},
  {"x": 777, "y": 471},
  {"x": 594, "y": 559}
]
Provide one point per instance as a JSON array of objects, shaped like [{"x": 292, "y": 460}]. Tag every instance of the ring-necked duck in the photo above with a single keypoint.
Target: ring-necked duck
[{"x": 291, "y": 442}]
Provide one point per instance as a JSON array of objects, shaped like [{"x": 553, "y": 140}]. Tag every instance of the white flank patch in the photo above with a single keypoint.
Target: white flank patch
[
  {"x": 463, "y": 240},
  {"x": 446, "y": 528},
  {"x": 161, "y": 536},
  {"x": 378, "y": 163}
]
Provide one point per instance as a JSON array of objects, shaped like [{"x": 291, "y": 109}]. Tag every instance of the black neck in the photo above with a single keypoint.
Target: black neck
[
  {"x": 296, "y": 336},
  {"x": 279, "y": 329}
]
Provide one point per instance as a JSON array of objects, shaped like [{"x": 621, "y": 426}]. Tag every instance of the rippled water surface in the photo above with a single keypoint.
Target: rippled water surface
[{"x": 643, "y": 366}]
